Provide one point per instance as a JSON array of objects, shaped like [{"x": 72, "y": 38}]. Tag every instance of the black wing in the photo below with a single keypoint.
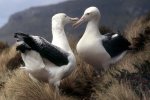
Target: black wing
[
  {"x": 47, "y": 50},
  {"x": 53, "y": 53},
  {"x": 23, "y": 47},
  {"x": 115, "y": 45}
]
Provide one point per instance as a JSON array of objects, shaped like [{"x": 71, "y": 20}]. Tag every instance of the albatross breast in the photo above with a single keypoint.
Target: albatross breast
[{"x": 92, "y": 51}]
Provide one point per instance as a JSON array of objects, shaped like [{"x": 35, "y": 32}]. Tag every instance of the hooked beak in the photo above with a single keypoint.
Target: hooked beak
[
  {"x": 79, "y": 22},
  {"x": 74, "y": 20}
]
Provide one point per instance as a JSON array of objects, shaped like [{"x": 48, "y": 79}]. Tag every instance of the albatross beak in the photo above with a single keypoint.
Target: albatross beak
[
  {"x": 74, "y": 20},
  {"x": 79, "y": 22}
]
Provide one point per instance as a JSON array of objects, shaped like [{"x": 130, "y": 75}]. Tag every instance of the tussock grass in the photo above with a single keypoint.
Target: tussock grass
[
  {"x": 117, "y": 92},
  {"x": 21, "y": 87},
  {"x": 7, "y": 55},
  {"x": 3, "y": 46},
  {"x": 82, "y": 84},
  {"x": 79, "y": 83}
]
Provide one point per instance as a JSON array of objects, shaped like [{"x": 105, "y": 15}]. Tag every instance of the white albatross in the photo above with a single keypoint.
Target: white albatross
[
  {"x": 45, "y": 61},
  {"x": 99, "y": 50}
]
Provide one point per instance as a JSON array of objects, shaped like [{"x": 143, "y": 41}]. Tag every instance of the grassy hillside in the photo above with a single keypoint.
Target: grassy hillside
[
  {"x": 37, "y": 20},
  {"x": 129, "y": 79}
]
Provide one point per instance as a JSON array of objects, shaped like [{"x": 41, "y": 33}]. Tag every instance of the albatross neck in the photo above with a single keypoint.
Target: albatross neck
[
  {"x": 92, "y": 28},
  {"x": 59, "y": 36}
]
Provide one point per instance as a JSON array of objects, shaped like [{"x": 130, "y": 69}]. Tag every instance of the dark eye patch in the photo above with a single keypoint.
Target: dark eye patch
[{"x": 88, "y": 13}]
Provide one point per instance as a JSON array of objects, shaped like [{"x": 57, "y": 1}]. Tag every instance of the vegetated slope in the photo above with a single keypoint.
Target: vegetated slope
[
  {"x": 126, "y": 80},
  {"x": 37, "y": 20}
]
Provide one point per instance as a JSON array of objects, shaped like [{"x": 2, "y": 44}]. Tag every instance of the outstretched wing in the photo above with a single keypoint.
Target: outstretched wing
[
  {"x": 47, "y": 50},
  {"x": 53, "y": 53}
]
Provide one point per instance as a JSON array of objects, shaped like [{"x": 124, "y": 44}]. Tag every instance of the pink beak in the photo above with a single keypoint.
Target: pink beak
[
  {"x": 74, "y": 20},
  {"x": 79, "y": 22}
]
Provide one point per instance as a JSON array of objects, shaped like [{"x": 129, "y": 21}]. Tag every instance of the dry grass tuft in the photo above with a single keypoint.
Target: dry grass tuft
[
  {"x": 117, "y": 92},
  {"x": 139, "y": 80},
  {"x": 21, "y": 87},
  {"x": 3, "y": 46},
  {"x": 6, "y": 56},
  {"x": 139, "y": 32},
  {"x": 79, "y": 83}
]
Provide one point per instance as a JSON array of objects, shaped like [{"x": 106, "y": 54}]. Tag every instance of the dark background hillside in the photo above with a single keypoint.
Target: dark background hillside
[{"x": 116, "y": 14}]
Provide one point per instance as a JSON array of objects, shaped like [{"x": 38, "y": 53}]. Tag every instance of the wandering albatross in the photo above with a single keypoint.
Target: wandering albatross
[
  {"x": 99, "y": 50},
  {"x": 45, "y": 61}
]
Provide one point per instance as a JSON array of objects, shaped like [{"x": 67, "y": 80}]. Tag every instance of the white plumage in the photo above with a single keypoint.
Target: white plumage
[
  {"x": 96, "y": 49},
  {"x": 47, "y": 61}
]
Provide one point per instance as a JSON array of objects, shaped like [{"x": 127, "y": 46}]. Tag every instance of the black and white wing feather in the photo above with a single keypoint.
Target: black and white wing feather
[
  {"x": 47, "y": 50},
  {"x": 115, "y": 44},
  {"x": 55, "y": 54}
]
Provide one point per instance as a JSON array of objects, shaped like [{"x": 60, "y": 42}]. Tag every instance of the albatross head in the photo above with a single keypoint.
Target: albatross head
[
  {"x": 63, "y": 19},
  {"x": 90, "y": 13}
]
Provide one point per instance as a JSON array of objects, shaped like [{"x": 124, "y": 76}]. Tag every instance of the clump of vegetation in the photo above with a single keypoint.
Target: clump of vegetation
[
  {"x": 21, "y": 87},
  {"x": 139, "y": 80},
  {"x": 7, "y": 55},
  {"x": 3, "y": 46},
  {"x": 80, "y": 82},
  {"x": 142, "y": 39},
  {"x": 118, "y": 91}
]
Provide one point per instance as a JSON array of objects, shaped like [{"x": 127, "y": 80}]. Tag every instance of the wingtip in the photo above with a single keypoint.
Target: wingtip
[
  {"x": 20, "y": 34},
  {"x": 15, "y": 35}
]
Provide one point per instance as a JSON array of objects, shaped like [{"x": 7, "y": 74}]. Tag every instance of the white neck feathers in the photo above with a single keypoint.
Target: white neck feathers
[
  {"x": 59, "y": 36},
  {"x": 92, "y": 28}
]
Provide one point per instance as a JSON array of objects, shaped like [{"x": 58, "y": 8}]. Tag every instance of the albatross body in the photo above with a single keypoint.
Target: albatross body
[
  {"x": 49, "y": 62},
  {"x": 99, "y": 50}
]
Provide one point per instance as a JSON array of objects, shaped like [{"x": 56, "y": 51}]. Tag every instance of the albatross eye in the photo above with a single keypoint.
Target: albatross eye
[
  {"x": 87, "y": 13},
  {"x": 65, "y": 16}
]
